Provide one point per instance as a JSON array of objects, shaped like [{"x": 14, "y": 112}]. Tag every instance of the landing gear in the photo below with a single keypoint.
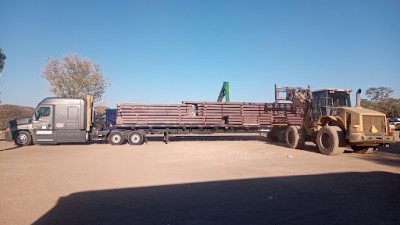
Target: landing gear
[{"x": 166, "y": 137}]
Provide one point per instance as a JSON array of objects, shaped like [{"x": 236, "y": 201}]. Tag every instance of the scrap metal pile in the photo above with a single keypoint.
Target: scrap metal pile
[{"x": 208, "y": 113}]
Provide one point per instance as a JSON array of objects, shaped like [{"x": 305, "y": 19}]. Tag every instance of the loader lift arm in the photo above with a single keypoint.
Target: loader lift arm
[
  {"x": 301, "y": 97},
  {"x": 224, "y": 92}
]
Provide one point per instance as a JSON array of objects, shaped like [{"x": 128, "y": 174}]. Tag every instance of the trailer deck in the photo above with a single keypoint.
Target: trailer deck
[{"x": 197, "y": 117}]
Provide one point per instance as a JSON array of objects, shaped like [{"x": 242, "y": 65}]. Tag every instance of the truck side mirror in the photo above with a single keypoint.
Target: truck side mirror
[{"x": 37, "y": 115}]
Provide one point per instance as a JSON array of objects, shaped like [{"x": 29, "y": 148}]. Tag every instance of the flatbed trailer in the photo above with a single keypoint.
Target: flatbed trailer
[
  {"x": 133, "y": 121},
  {"x": 71, "y": 120}
]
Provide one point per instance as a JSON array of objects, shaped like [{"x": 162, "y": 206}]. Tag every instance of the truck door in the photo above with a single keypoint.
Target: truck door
[
  {"x": 43, "y": 124},
  {"x": 69, "y": 124}
]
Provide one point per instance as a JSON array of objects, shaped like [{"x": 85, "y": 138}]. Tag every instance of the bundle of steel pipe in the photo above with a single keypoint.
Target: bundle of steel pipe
[{"x": 208, "y": 113}]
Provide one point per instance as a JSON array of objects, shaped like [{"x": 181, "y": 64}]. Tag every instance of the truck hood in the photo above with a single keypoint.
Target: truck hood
[
  {"x": 24, "y": 121},
  {"x": 19, "y": 124},
  {"x": 364, "y": 111}
]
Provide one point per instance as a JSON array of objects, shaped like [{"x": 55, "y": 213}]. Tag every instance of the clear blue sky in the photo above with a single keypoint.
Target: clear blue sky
[{"x": 168, "y": 51}]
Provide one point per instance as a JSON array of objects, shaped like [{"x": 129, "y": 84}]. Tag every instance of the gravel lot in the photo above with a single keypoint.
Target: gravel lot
[{"x": 224, "y": 180}]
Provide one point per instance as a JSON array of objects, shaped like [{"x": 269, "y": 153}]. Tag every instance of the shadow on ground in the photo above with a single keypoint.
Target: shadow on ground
[
  {"x": 308, "y": 147},
  {"x": 343, "y": 198},
  {"x": 209, "y": 138},
  {"x": 389, "y": 156},
  {"x": 385, "y": 156},
  {"x": 179, "y": 138},
  {"x": 393, "y": 149},
  {"x": 9, "y": 148}
]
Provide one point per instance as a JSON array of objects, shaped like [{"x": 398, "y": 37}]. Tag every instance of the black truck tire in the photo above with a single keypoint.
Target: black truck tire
[
  {"x": 23, "y": 138},
  {"x": 116, "y": 138},
  {"x": 364, "y": 149},
  {"x": 331, "y": 140},
  {"x": 282, "y": 136},
  {"x": 135, "y": 138},
  {"x": 295, "y": 137}
]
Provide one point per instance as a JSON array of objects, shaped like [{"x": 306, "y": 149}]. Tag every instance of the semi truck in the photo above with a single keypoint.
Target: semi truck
[
  {"x": 324, "y": 117},
  {"x": 72, "y": 120}
]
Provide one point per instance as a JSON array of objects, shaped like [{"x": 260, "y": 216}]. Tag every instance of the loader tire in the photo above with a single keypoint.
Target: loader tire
[
  {"x": 295, "y": 137},
  {"x": 331, "y": 140},
  {"x": 282, "y": 136}
]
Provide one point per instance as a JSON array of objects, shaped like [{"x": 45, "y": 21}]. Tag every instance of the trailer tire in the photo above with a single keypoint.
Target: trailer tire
[
  {"x": 135, "y": 138},
  {"x": 295, "y": 137},
  {"x": 364, "y": 149},
  {"x": 282, "y": 136},
  {"x": 331, "y": 140},
  {"x": 116, "y": 138},
  {"x": 271, "y": 137},
  {"x": 23, "y": 138}
]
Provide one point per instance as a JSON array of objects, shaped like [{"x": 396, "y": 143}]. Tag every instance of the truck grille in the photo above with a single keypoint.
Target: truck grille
[{"x": 377, "y": 121}]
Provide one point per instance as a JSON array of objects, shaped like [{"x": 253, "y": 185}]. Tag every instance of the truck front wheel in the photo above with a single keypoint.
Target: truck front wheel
[
  {"x": 23, "y": 138},
  {"x": 116, "y": 138},
  {"x": 331, "y": 140}
]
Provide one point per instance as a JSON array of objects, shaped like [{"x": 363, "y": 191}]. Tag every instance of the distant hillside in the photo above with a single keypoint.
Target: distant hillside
[{"x": 9, "y": 112}]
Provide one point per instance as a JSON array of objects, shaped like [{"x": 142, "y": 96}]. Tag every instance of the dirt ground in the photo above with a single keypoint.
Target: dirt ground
[{"x": 224, "y": 180}]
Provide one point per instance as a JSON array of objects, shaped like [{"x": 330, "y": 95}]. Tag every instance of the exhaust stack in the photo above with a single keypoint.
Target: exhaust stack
[{"x": 358, "y": 98}]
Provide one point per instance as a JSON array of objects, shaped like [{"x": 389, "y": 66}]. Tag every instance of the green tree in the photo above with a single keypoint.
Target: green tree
[
  {"x": 380, "y": 99},
  {"x": 73, "y": 76},
  {"x": 2, "y": 60},
  {"x": 378, "y": 94}
]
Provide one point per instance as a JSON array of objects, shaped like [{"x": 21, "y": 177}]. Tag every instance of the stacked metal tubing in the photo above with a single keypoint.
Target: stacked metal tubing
[{"x": 209, "y": 113}]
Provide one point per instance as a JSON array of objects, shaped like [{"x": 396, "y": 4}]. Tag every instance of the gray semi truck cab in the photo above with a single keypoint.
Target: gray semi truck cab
[{"x": 55, "y": 120}]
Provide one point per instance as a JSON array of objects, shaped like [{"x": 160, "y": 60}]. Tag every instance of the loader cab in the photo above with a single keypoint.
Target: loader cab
[{"x": 326, "y": 100}]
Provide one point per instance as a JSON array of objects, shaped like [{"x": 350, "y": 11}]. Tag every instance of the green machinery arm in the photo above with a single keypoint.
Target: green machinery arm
[{"x": 224, "y": 92}]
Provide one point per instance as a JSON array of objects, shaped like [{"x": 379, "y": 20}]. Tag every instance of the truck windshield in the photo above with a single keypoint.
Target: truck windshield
[
  {"x": 339, "y": 99},
  {"x": 323, "y": 101},
  {"x": 42, "y": 112}
]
